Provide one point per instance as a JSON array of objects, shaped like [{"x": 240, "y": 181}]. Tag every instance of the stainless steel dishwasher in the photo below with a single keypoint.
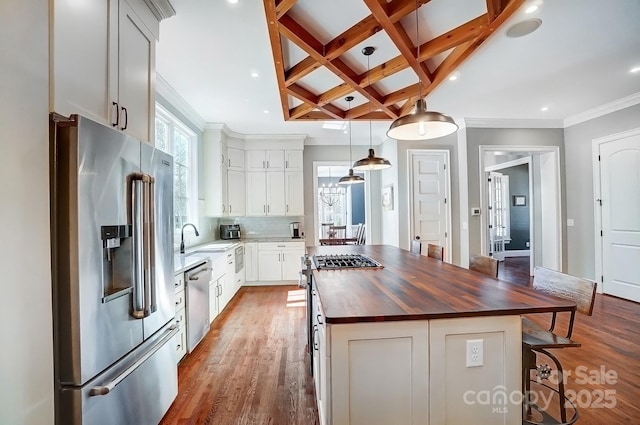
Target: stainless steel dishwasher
[{"x": 197, "y": 291}]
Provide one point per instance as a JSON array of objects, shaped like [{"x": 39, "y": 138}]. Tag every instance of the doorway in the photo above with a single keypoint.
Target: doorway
[
  {"x": 617, "y": 213},
  {"x": 334, "y": 204},
  {"x": 540, "y": 200}
]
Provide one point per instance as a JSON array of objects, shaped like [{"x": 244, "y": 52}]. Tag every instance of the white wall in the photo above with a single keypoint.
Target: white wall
[
  {"x": 389, "y": 177},
  {"x": 26, "y": 357},
  {"x": 579, "y": 175}
]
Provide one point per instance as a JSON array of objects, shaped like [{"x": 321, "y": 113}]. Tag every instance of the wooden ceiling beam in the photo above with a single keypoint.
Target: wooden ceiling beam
[
  {"x": 303, "y": 39},
  {"x": 495, "y": 8},
  {"x": 283, "y": 7},
  {"x": 300, "y": 70},
  {"x": 400, "y": 38},
  {"x": 398, "y": 9},
  {"x": 276, "y": 49},
  {"x": 402, "y": 94},
  {"x": 465, "y": 32}
]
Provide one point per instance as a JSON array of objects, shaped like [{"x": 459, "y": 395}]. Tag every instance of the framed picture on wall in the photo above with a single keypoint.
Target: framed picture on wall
[
  {"x": 519, "y": 200},
  {"x": 387, "y": 198}
]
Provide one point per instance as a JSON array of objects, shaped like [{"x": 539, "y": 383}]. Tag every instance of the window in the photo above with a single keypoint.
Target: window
[{"x": 173, "y": 137}]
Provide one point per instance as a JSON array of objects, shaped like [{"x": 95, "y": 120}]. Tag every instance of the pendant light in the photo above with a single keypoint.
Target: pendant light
[
  {"x": 421, "y": 124},
  {"x": 371, "y": 162},
  {"x": 350, "y": 178}
]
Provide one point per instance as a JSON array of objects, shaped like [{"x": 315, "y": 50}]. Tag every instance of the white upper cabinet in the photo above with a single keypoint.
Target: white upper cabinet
[
  {"x": 235, "y": 159},
  {"x": 268, "y": 160},
  {"x": 236, "y": 193},
  {"x": 214, "y": 173},
  {"x": 102, "y": 62},
  {"x": 294, "y": 193},
  {"x": 293, "y": 160}
]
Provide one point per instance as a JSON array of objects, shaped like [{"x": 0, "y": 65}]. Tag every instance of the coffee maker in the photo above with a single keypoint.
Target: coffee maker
[{"x": 295, "y": 230}]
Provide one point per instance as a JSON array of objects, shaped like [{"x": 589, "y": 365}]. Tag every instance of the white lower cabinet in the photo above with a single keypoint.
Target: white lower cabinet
[
  {"x": 251, "y": 261},
  {"x": 180, "y": 339},
  {"x": 279, "y": 261}
]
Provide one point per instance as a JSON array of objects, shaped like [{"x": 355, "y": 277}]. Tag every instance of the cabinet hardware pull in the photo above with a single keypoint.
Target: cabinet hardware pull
[
  {"x": 320, "y": 322},
  {"x": 126, "y": 118},
  {"x": 287, "y": 207},
  {"x": 286, "y": 164},
  {"x": 264, "y": 208},
  {"x": 229, "y": 208},
  {"x": 263, "y": 165},
  {"x": 229, "y": 162},
  {"x": 267, "y": 164},
  {"x": 115, "y": 124}
]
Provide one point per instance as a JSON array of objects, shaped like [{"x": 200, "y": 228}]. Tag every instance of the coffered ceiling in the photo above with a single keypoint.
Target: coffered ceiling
[
  {"x": 430, "y": 54},
  {"x": 285, "y": 66}
]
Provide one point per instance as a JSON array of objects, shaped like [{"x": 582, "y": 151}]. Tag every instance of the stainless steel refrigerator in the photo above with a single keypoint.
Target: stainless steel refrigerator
[{"x": 112, "y": 268}]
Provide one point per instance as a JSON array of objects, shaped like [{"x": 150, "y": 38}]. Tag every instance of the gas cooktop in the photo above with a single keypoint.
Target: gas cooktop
[{"x": 344, "y": 261}]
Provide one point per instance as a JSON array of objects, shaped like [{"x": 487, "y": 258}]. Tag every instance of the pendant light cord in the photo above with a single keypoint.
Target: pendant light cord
[
  {"x": 369, "y": 92},
  {"x": 350, "y": 150},
  {"x": 418, "y": 53}
]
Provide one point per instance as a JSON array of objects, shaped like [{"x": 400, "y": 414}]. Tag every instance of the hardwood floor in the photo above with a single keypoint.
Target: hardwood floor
[{"x": 252, "y": 369}]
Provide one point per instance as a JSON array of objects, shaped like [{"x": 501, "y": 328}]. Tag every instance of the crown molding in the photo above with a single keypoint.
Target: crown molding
[
  {"x": 601, "y": 110},
  {"x": 164, "y": 89},
  {"x": 510, "y": 123},
  {"x": 161, "y": 9},
  {"x": 214, "y": 126}
]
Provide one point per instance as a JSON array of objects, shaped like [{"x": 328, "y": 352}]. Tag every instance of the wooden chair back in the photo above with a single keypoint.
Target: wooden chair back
[
  {"x": 579, "y": 290},
  {"x": 435, "y": 251},
  {"x": 416, "y": 246},
  {"x": 360, "y": 237},
  {"x": 338, "y": 232},
  {"x": 483, "y": 264},
  {"x": 325, "y": 230}
]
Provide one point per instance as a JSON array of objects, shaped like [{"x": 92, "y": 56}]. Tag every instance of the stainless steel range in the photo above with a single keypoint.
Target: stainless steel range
[{"x": 344, "y": 261}]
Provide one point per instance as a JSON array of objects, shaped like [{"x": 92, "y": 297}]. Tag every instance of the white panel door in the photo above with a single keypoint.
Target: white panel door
[
  {"x": 429, "y": 197},
  {"x": 620, "y": 194}
]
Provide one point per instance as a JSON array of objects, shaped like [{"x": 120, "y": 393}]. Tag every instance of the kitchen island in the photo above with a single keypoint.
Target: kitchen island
[{"x": 418, "y": 341}]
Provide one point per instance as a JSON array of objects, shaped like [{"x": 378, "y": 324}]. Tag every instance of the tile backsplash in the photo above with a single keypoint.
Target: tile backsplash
[{"x": 263, "y": 227}]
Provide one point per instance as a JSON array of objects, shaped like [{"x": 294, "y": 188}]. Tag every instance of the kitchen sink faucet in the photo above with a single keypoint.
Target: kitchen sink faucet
[{"x": 182, "y": 235}]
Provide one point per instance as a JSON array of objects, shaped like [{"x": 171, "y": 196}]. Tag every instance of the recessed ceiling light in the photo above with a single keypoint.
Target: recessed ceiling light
[
  {"x": 255, "y": 74},
  {"x": 523, "y": 28},
  {"x": 544, "y": 108},
  {"x": 635, "y": 69},
  {"x": 232, "y": 1},
  {"x": 453, "y": 76},
  {"x": 265, "y": 111},
  {"x": 531, "y": 8}
]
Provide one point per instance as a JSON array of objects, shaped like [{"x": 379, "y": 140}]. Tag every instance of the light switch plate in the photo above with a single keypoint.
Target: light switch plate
[{"x": 475, "y": 352}]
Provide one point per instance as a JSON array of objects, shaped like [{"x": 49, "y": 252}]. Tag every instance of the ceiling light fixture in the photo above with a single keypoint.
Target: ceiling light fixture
[
  {"x": 371, "y": 162},
  {"x": 350, "y": 178},
  {"x": 635, "y": 69},
  {"x": 421, "y": 124},
  {"x": 544, "y": 108},
  {"x": 255, "y": 74}
]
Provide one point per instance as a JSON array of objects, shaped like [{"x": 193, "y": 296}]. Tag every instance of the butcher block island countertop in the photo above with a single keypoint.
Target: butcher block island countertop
[
  {"x": 418, "y": 342},
  {"x": 412, "y": 287}
]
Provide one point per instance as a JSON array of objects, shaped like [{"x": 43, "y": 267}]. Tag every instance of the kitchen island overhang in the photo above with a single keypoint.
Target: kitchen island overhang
[{"x": 406, "y": 330}]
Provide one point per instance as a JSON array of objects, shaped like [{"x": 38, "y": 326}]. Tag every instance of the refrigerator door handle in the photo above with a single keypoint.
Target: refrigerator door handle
[
  {"x": 153, "y": 306},
  {"x": 138, "y": 277},
  {"x": 147, "y": 243},
  {"x": 106, "y": 389}
]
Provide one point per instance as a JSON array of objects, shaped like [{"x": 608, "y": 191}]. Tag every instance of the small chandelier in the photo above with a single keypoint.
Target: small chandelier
[
  {"x": 332, "y": 193},
  {"x": 350, "y": 178},
  {"x": 371, "y": 162},
  {"x": 421, "y": 124}
]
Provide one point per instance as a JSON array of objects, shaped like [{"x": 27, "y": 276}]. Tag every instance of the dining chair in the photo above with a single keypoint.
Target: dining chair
[
  {"x": 483, "y": 264},
  {"x": 338, "y": 232},
  {"x": 325, "y": 230},
  {"x": 538, "y": 340},
  {"x": 416, "y": 246},
  {"x": 435, "y": 251}
]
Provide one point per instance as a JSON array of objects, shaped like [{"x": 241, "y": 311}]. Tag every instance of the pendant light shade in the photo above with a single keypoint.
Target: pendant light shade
[
  {"x": 422, "y": 124},
  {"x": 371, "y": 162},
  {"x": 350, "y": 178}
]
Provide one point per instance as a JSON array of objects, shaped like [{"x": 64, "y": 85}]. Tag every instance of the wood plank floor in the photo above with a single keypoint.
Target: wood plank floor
[{"x": 251, "y": 368}]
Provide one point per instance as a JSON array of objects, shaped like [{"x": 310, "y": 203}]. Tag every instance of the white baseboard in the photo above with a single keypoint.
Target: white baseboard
[
  {"x": 517, "y": 253},
  {"x": 272, "y": 283}
]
